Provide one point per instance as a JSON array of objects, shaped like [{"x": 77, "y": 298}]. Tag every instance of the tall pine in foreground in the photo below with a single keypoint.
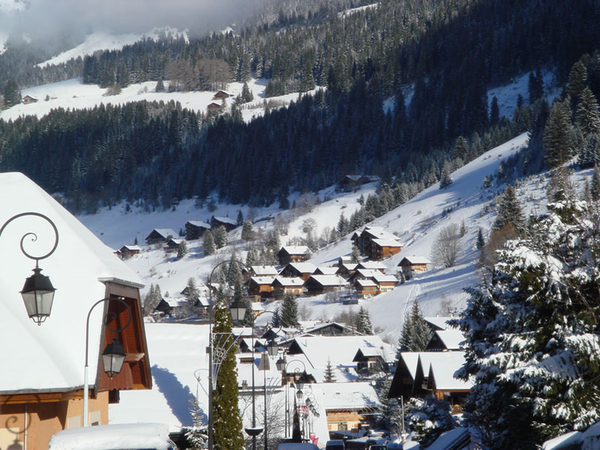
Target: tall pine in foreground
[
  {"x": 363, "y": 322},
  {"x": 532, "y": 332},
  {"x": 416, "y": 334},
  {"x": 226, "y": 413}
]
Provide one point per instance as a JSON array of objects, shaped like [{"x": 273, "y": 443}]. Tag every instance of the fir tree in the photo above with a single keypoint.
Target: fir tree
[
  {"x": 160, "y": 86},
  {"x": 246, "y": 93},
  {"x": 329, "y": 376},
  {"x": 480, "y": 239},
  {"x": 220, "y": 236},
  {"x": 595, "y": 187},
  {"x": 182, "y": 249},
  {"x": 240, "y": 218},
  {"x": 558, "y": 135},
  {"x": 209, "y": 243},
  {"x": 510, "y": 211},
  {"x": 226, "y": 413},
  {"x": 587, "y": 115},
  {"x": 536, "y": 86},
  {"x": 363, "y": 322},
  {"x": 355, "y": 257},
  {"x": 461, "y": 148},
  {"x": 289, "y": 311},
  {"x": 388, "y": 413},
  {"x": 343, "y": 225},
  {"x": 416, "y": 334},
  {"x": 494, "y": 111},
  {"x": 531, "y": 335},
  {"x": 247, "y": 231},
  {"x": 12, "y": 93},
  {"x": 446, "y": 180}
]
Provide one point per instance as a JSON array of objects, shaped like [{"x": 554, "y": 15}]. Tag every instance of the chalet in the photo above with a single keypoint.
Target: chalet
[
  {"x": 365, "y": 288},
  {"x": 347, "y": 270},
  {"x": 331, "y": 329},
  {"x": 127, "y": 251},
  {"x": 412, "y": 265},
  {"x": 348, "y": 406},
  {"x": 160, "y": 236},
  {"x": 438, "y": 322},
  {"x": 446, "y": 340},
  {"x": 317, "y": 284},
  {"x": 385, "y": 282},
  {"x": 404, "y": 375},
  {"x": 383, "y": 248},
  {"x": 27, "y": 100},
  {"x": 172, "y": 245},
  {"x": 195, "y": 229},
  {"x": 344, "y": 260},
  {"x": 168, "y": 305},
  {"x": 221, "y": 95},
  {"x": 370, "y": 359},
  {"x": 229, "y": 224},
  {"x": 351, "y": 182},
  {"x": 212, "y": 106},
  {"x": 259, "y": 271},
  {"x": 301, "y": 270},
  {"x": 364, "y": 274},
  {"x": 42, "y": 381},
  {"x": 260, "y": 286},
  {"x": 285, "y": 285},
  {"x": 292, "y": 254},
  {"x": 325, "y": 271}
]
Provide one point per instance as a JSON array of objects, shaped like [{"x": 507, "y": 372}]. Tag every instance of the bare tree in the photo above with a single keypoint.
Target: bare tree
[{"x": 446, "y": 246}]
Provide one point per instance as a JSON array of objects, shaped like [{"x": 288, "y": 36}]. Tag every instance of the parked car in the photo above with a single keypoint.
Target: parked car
[
  {"x": 335, "y": 445},
  {"x": 377, "y": 447},
  {"x": 297, "y": 446},
  {"x": 138, "y": 436}
]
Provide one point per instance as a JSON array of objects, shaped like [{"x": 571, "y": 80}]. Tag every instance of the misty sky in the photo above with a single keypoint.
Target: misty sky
[{"x": 48, "y": 18}]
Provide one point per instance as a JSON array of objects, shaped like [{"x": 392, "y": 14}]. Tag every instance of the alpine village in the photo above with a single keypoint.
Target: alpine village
[{"x": 300, "y": 225}]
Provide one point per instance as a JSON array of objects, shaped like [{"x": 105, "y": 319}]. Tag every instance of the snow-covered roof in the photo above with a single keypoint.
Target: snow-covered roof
[
  {"x": 133, "y": 248},
  {"x": 368, "y": 273},
  {"x": 226, "y": 220},
  {"x": 118, "y": 437},
  {"x": 166, "y": 232},
  {"x": 441, "y": 323},
  {"x": 199, "y": 224},
  {"x": 441, "y": 366},
  {"x": 49, "y": 357},
  {"x": 565, "y": 441},
  {"x": 329, "y": 280},
  {"x": 175, "y": 302},
  {"x": 415, "y": 260},
  {"x": 387, "y": 242},
  {"x": 366, "y": 283},
  {"x": 303, "y": 267},
  {"x": 262, "y": 271},
  {"x": 380, "y": 233},
  {"x": 296, "y": 249},
  {"x": 373, "y": 265},
  {"x": 451, "y": 338},
  {"x": 328, "y": 270},
  {"x": 341, "y": 395},
  {"x": 411, "y": 359},
  {"x": 262, "y": 280},
  {"x": 289, "y": 281},
  {"x": 383, "y": 278}
]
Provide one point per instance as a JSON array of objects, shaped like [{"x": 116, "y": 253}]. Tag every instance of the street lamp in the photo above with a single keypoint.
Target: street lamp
[
  {"x": 113, "y": 355},
  {"x": 299, "y": 379},
  {"x": 219, "y": 345},
  {"x": 37, "y": 292}
]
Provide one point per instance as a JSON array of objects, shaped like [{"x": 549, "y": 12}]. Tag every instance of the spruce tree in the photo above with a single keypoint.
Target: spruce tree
[
  {"x": 510, "y": 211},
  {"x": 12, "y": 93},
  {"x": 461, "y": 148},
  {"x": 531, "y": 334},
  {"x": 356, "y": 257},
  {"x": 558, "y": 135},
  {"x": 587, "y": 115},
  {"x": 536, "y": 86},
  {"x": 209, "y": 243},
  {"x": 595, "y": 188},
  {"x": 247, "y": 231},
  {"x": 416, "y": 334},
  {"x": 220, "y": 236},
  {"x": 329, "y": 376},
  {"x": 446, "y": 180},
  {"x": 182, "y": 249},
  {"x": 160, "y": 85},
  {"x": 363, "y": 322},
  {"x": 226, "y": 413},
  {"x": 480, "y": 239},
  {"x": 289, "y": 311}
]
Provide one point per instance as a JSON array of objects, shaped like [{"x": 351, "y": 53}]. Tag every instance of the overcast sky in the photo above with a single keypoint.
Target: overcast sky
[{"x": 44, "y": 18}]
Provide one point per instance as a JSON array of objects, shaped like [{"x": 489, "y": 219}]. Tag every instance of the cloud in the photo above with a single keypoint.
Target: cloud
[{"x": 46, "y": 18}]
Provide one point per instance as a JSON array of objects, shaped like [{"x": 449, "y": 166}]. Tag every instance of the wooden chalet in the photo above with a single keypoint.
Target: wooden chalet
[
  {"x": 413, "y": 265},
  {"x": 293, "y": 254},
  {"x": 403, "y": 382},
  {"x": 331, "y": 329},
  {"x": 212, "y": 106},
  {"x": 221, "y": 95},
  {"x": 370, "y": 359},
  {"x": 376, "y": 243},
  {"x": 365, "y": 288},
  {"x": 372, "y": 265},
  {"x": 195, "y": 229},
  {"x": 318, "y": 284},
  {"x": 351, "y": 182},
  {"x": 385, "y": 283},
  {"x": 325, "y": 271},
  {"x": 349, "y": 406},
  {"x": 446, "y": 340},
  {"x": 285, "y": 285},
  {"x": 172, "y": 245},
  {"x": 383, "y": 248},
  {"x": 229, "y": 224},
  {"x": 259, "y": 271},
  {"x": 260, "y": 286},
  {"x": 298, "y": 270},
  {"x": 168, "y": 305},
  {"x": 364, "y": 274},
  {"x": 160, "y": 236},
  {"x": 41, "y": 383},
  {"x": 344, "y": 260},
  {"x": 28, "y": 100},
  {"x": 346, "y": 270},
  {"x": 127, "y": 251}
]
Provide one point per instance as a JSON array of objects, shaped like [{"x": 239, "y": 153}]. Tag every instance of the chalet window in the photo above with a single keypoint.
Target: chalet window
[{"x": 342, "y": 426}]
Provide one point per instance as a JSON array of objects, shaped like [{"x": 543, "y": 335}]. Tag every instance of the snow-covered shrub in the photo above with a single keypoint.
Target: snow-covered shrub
[{"x": 428, "y": 418}]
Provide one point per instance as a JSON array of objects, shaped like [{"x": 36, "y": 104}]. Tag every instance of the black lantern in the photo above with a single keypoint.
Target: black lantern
[
  {"x": 254, "y": 431},
  {"x": 299, "y": 380},
  {"x": 38, "y": 295},
  {"x": 272, "y": 348},
  {"x": 238, "y": 311},
  {"x": 113, "y": 358},
  {"x": 280, "y": 364}
]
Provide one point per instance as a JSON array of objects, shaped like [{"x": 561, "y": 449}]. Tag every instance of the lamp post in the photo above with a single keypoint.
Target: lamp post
[
  {"x": 113, "y": 355},
  {"x": 282, "y": 365},
  {"x": 218, "y": 346},
  {"x": 37, "y": 292}
]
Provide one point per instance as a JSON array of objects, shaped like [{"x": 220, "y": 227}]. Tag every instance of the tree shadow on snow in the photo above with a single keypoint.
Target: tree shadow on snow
[{"x": 179, "y": 397}]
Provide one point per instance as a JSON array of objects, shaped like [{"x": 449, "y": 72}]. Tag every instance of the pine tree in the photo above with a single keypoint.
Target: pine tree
[
  {"x": 416, "y": 334},
  {"x": 363, "y": 322},
  {"x": 355, "y": 258},
  {"x": 494, "y": 111},
  {"x": 182, "y": 249},
  {"x": 12, "y": 93},
  {"x": 558, "y": 135},
  {"x": 240, "y": 218},
  {"x": 192, "y": 293},
  {"x": 209, "y": 243},
  {"x": 531, "y": 335},
  {"x": 220, "y": 236},
  {"x": 510, "y": 211},
  {"x": 587, "y": 114},
  {"x": 388, "y": 413},
  {"x": 536, "y": 86},
  {"x": 160, "y": 85},
  {"x": 446, "y": 180},
  {"x": 289, "y": 311},
  {"x": 343, "y": 225},
  {"x": 461, "y": 148},
  {"x": 226, "y": 413},
  {"x": 595, "y": 188},
  {"x": 246, "y": 93},
  {"x": 480, "y": 239},
  {"x": 247, "y": 231},
  {"x": 329, "y": 376},
  {"x": 577, "y": 81}
]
